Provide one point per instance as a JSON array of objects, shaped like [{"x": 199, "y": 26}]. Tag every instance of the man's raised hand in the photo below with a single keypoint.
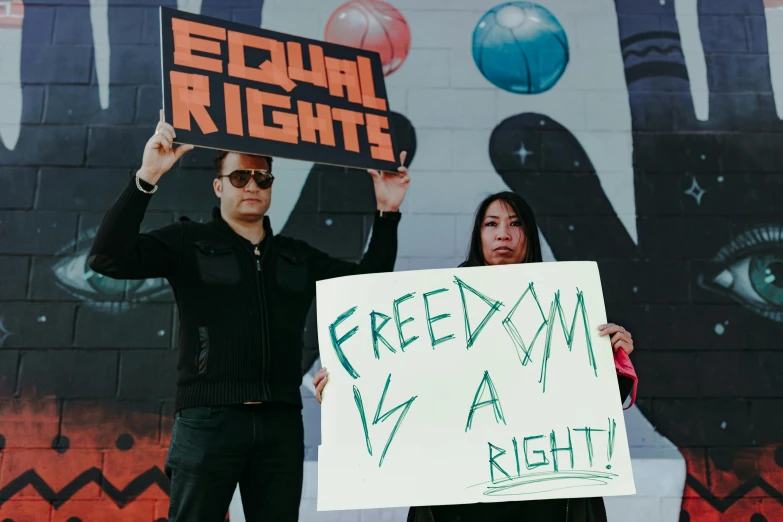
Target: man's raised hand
[{"x": 159, "y": 152}]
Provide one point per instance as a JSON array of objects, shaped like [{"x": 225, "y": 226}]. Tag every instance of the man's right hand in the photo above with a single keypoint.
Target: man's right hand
[{"x": 159, "y": 152}]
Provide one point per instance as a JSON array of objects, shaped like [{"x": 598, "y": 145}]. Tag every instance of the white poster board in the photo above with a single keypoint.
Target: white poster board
[{"x": 483, "y": 384}]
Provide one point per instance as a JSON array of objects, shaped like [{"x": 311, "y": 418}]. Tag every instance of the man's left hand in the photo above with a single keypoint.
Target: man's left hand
[{"x": 391, "y": 187}]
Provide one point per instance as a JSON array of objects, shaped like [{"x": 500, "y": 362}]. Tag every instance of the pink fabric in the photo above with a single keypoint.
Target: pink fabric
[{"x": 624, "y": 367}]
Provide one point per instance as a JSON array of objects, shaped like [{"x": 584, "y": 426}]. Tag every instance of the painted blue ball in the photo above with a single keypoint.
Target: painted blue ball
[{"x": 520, "y": 47}]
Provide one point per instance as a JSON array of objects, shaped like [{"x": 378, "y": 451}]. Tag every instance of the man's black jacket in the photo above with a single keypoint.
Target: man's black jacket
[{"x": 241, "y": 310}]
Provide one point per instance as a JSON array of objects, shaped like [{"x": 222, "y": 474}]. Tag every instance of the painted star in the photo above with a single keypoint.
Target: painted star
[
  {"x": 4, "y": 333},
  {"x": 523, "y": 153},
  {"x": 695, "y": 191}
]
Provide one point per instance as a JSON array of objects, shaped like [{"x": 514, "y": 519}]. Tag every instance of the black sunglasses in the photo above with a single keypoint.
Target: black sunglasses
[{"x": 240, "y": 178}]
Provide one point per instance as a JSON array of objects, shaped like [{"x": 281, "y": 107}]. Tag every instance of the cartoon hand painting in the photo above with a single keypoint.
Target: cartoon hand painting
[{"x": 697, "y": 276}]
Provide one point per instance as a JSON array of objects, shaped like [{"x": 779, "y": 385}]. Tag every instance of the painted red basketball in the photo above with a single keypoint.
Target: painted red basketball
[{"x": 373, "y": 25}]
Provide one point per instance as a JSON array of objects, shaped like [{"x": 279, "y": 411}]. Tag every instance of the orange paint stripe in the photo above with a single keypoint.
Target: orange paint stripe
[{"x": 11, "y": 13}]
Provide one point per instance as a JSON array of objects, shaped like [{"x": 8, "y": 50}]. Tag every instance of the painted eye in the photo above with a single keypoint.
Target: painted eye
[
  {"x": 750, "y": 270},
  {"x": 73, "y": 275},
  {"x": 766, "y": 276}
]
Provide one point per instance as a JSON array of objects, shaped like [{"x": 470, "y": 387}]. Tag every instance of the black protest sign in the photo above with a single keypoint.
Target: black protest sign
[{"x": 234, "y": 87}]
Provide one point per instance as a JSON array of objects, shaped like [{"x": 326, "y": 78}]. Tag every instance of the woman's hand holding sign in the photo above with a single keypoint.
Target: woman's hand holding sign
[
  {"x": 319, "y": 381},
  {"x": 621, "y": 338},
  {"x": 391, "y": 187}
]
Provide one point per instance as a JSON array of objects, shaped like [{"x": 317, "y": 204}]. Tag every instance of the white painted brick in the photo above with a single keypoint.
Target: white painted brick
[
  {"x": 643, "y": 509},
  {"x": 326, "y": 5},
  {"x": 597, "y": 32},
  {"x": 310, "y": 480},
  {"x": 462, "y": 231},
  {"x": 463, "y": 71},
  {"x": 299, "y": 22},
  {"x": 406, "y": 206},
  {"x": 433, "y": 151},
  {"x": 398, "y": 99},
  {"x": 429, "y": 263},
  {"x": 471, "y": 151},
  {"x": 453, "y": 192},
  {"x": 670, "y": 508},
  {"x": 659, "y": 478},
  {"x": 444, "y": 5},
  {"x": 546, "y": 250},
  {"x": 441, "y": 29},
  {"x": 605, "y": 7},
  {"x": 460, "y": 109},
  {"x": 308, "y": 512},
  {"x": 424, "y": 235},
  {"x": 423, "y": 68},
  {"x": 401, "y": 264},
  {"x": 286, "y": 194},
  {"x": 597, "y": 70},
  {"x": 9, "y": 59},
  {"x": 482, "y": 6},
  {"x": 619, "y": 189},
  {"x": 384, "y": 515},
  {"x": 607, "y": 110},
  {"x": 10, "y": 113},
  {"x": 609, "y": 151}
]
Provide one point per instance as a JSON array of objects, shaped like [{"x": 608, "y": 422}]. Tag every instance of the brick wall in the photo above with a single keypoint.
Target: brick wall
[{"x": 656, "y": 153}]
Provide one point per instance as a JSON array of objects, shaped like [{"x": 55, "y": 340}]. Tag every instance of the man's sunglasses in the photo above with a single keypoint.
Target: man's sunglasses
[{"x": 240, "y": 178}]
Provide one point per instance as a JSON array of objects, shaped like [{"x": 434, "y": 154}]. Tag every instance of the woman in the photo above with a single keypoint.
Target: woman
[{"x": 505, "y": 232}]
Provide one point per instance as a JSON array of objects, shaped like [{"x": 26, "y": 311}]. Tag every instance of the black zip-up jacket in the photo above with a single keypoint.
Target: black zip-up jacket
[{"x": 242, "y": 307}]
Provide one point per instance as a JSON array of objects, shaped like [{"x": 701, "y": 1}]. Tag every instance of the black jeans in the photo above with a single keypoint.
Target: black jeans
[{"x": 261, "y": 447}]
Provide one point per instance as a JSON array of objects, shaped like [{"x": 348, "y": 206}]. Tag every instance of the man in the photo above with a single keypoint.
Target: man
[{"x": 242, "y": 294}]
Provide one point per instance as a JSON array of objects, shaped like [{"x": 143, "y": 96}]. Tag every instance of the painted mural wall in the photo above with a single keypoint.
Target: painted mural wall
[{"x": 646, "y": 134}]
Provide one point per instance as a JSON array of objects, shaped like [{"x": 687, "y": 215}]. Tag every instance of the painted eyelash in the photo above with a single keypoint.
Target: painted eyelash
[
  {"x": 769, "y": 313},
  {"x": 70, "y": 246},
  {"x": 762, "y": 235},
  {"x": 755, "y": 239},
  {"x": 80, "y": 247}
]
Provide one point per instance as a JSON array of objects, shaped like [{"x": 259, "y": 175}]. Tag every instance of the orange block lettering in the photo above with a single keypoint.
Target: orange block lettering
[
  {"x": 296, "y": 71},
  {"x": 233, "y": 109},
  {"x": 368, "y": 86},
  {"x": 288, "y": 131},
  {"x": 190, "y": 96},
  {"x": 184, "y": 43},
  {"x": 343, "y": 73},
  {"x": 380, "y": 142},
  {"x": 272, "y": 72},
  {"x": 349, "y": 119},
  {"x": 310, "y": 123}
]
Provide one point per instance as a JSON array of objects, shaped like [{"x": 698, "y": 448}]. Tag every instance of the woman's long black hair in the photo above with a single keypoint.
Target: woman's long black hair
[{"x": 525, "y": 214}]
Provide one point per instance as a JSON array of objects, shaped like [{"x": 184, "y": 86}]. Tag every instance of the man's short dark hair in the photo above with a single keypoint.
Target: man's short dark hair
[{"x": 221, "y": 156}]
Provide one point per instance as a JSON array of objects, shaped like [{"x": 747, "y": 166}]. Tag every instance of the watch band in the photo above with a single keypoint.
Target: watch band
[
  {"x": 138, "y": 186},
  {"x": 392, "y": 215}
]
